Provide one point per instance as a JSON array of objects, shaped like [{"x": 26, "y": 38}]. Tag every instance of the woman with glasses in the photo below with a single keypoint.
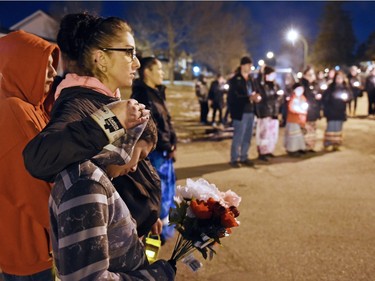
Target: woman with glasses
[{"x": 103, "y": 245}]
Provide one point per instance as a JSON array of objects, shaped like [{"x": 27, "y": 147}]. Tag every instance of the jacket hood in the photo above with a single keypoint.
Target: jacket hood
[
  {"x": 74, "y": 80},
  {"x": 14, "y": 64}
]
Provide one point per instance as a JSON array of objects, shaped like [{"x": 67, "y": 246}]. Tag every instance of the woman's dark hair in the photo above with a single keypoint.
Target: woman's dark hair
[
  {"x": 296, "y": 85},
  {"x": 150, "y": 133},
  {"x": 333, "y": 85},
  {"x": 341, "y": 73},
  {"x": 307, "y": 69},
  {"x": 81, "y": 33},
  {"x": 146, "y": 63},
  {"x": 202, "y": 79}
]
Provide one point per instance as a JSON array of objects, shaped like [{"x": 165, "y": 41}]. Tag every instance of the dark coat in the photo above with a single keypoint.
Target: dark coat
[
  {"x": 154, "y": 100},
  {"x": 72, "y": 137},
  {"x": 216, "y": 95},
  {"x": 334, "y": 105},
  {"x": 355, "y": 85},
  {"x": 313, "y": 112},
  {"x": 370, "y": 85},
  {"x": 238, "y": 96},
  {"x": 141, "y": 192},
  {"x": 270, "y": 103}
]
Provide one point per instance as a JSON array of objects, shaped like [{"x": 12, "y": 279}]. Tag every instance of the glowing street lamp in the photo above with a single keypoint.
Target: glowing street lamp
[
  {"x": 293, "y": 36},
  {"x": 270, "y": 55},
  {"x": 196, "y": 70}
]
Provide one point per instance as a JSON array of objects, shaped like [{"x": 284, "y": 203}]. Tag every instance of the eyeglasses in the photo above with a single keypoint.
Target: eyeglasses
[{"x": 129, "y": 52}]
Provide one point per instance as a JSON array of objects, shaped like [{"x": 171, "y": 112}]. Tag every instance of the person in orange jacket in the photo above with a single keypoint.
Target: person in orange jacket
[
  {"x": 294, "y": 141},
  {"x": 27, "y": 69}
]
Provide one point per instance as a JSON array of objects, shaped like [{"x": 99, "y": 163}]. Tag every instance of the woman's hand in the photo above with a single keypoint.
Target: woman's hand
[
  {"x": 255, "y": 97},
  {"x": 130, "y": 113},
  {"x": 157, "y": 227}
]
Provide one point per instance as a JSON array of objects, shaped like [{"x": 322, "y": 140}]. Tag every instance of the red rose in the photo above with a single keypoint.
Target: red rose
[
  {"x": 228, "y": 220},
  {"x": 200, "y": 209}
]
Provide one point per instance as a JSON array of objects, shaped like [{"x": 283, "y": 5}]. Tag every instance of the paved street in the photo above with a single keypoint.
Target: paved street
[{"x": 311, "y": 218}]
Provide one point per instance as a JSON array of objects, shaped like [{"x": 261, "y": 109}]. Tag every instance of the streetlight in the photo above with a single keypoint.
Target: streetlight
[
  {"x": 270, "y": 55},
  {"x": 270, "y": 58},
  {"x": 292, "y": 35},
  {"x": 196, "y": 70}
]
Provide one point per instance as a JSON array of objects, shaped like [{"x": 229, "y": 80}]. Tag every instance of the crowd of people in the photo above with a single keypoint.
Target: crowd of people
[
  {"x": 257, "y": 102},
  {"x": 85, "y": 176}
]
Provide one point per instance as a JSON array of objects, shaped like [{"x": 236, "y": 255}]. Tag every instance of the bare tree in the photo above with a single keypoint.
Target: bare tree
[
  {"x": 202, "y": 28},
  {"x": 162, "y": 24},
  {"x": 222, "y": 38},
  {"x": 336, "y": 41},
  {"x": 370, "y": 47}
]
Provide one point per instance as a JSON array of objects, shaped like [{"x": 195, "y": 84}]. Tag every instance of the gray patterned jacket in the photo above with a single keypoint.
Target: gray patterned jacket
[{"x": 94, "y": 236}]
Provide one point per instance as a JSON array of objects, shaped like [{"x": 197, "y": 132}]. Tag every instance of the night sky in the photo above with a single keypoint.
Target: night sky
[{"x": 271, "y": 18}]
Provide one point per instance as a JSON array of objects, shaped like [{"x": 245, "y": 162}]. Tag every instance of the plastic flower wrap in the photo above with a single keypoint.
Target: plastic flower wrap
[{"x": 203, "y": 215}]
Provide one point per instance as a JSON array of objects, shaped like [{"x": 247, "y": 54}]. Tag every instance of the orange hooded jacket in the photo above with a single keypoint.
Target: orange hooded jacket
[{"x": 24, "y": 219}]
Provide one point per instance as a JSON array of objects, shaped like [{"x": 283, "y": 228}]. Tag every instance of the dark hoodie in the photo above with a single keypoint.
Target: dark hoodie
[
  {"x": 24, "y": 239},
  {"x": 154, "y": 100}
]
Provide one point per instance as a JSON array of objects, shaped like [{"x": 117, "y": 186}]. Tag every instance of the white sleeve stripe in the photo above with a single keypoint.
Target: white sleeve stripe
[
  {"x": 97, "y": 174},
  {"x": 82, "y": 200},
  {"x": 52, "y": 205},
  {"x": 82, "y": 235},
  {"x": 115, "y": 196},
  {"x": 66, "y": 179},
  {"x": 146, "y": 274}
]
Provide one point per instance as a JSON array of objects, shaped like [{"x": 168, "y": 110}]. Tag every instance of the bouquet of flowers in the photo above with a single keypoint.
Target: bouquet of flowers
[{"x": 203, "y": 215}]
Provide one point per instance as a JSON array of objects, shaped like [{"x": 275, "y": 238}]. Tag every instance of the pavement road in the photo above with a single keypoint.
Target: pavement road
[{"x": 311, "y": 218}]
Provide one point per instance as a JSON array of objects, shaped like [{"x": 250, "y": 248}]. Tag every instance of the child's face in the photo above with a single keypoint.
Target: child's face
[
  {"x": 299, "y": 91},
  {"x": 141, "y": 150}
]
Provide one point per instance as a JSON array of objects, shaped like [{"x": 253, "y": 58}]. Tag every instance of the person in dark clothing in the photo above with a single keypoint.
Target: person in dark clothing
[
  {"x": 313, "y": 98},
  {"x": 370, "y": 89},
  {"x": 356, "y": 88},
  {"x": 216, "y": 98},
  {"x": 335, "y": 99},
  {"x": 148, "y": 89},
  {"x": 88, "y": 116},
  {"x": 139, "y": 188},
  {"x": 267, "y": 111},
  {"x": 242, "y": 97},
  {"x": 201, "y": 91}
]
